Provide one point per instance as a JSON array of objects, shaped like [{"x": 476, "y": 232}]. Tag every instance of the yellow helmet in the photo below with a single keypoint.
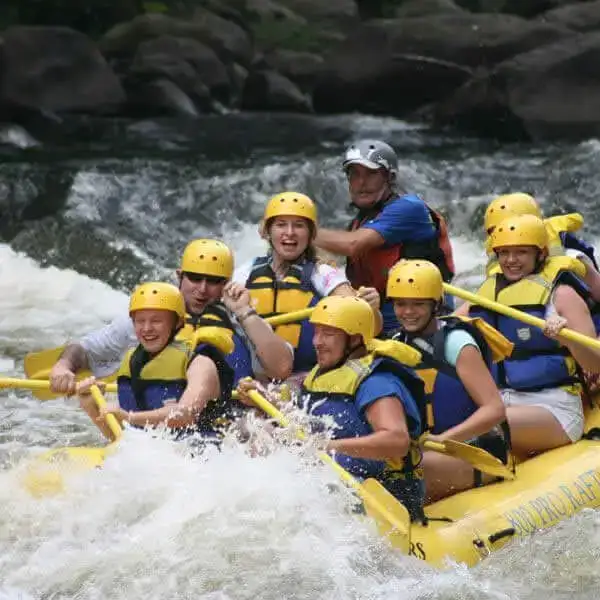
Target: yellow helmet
[
  {"x": 525, "y": 230},
  {"x": 350, "y": 314},
  {"x": 415, "y": 279},
  {"x": 510, "y": 205},
  {"x": 291, "y": 204},
  {"x": 208, "y": 257},
  {"x": 157, "y": 296}
]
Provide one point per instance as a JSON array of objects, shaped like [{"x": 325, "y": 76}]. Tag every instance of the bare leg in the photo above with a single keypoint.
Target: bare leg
[
  {"x": 445, "y": 475},
  {"x": 534, "y": 429}
]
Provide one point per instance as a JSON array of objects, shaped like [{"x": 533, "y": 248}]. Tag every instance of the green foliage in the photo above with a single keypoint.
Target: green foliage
[
  {"x": 274, "y": 33},
  {"x": 155, "y": 7}
]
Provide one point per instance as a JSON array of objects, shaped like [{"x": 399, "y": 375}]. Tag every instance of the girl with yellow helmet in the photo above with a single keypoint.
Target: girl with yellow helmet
[
  {"x": 163, "y": 381},
  {"x": 560, "y": 229},
  {"x": 463, "y": 402},
  {"x": 290, "y": 277},
  {"x": 540, "y": 383}
]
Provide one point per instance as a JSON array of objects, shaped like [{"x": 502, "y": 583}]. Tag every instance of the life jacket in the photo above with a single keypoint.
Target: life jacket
[
  {"x": 146, "y": 382},
  {"x": 215, "y": 314},
  {"x": 560, "y": 237},
  {"x": 332, "y": 394},
  {"x": 448, "y": 402},
  {"x": 371, "y": 268},
  {"x": 295, "y": 291},
  {"x": 537, "y": 362}
]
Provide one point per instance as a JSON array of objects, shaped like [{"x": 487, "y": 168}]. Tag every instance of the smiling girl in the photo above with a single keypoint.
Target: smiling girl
[{"x": 290, "y": 277}]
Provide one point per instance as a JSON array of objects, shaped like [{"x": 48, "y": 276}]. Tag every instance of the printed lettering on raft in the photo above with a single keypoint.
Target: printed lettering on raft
[
  {"x": 417, "y": 550},
  {"x": 548, "y": 508}
]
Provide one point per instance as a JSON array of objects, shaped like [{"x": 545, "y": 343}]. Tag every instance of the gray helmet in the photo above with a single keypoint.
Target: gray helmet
[{"x": 373, "y": 154}]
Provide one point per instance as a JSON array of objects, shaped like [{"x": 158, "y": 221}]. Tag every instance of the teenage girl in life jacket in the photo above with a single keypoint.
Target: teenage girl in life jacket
[
  {"x": 463, "y": 402},
  {"x": 290, "y": 277}
]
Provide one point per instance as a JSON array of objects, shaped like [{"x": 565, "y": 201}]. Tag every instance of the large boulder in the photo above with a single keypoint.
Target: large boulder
[
  {"x": 550, "y": 92},
  {"x": 186, "y": 63},
  {"x": 228, "y": 40},
  {"x": 302, "y": 68},
  {"x": 55, "y": 70},
  {"x": 579, "y": 17},
  {"x": 269, "y": 90},
  {"x": 315, "y": 10},
  {"x": 395, "y": 65},
  {"x": 522, "y": 8},
  {"x": 419, "y": 8}
]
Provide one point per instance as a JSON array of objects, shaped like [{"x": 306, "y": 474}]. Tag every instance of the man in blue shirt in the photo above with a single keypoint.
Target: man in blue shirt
[{"x": 389, "y": 224}]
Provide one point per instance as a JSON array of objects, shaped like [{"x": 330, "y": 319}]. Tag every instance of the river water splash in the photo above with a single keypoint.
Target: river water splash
[{"x": 155, "y": 523}]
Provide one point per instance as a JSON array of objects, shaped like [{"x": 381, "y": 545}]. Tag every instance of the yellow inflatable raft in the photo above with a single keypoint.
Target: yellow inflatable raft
[{"x": 548, "y": 488}]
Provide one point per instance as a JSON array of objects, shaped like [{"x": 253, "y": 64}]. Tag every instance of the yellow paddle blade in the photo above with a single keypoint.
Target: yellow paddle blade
[
  {"x": 46, "y": 475},
  {"x": 513, "y": 313},
  {"x": 38, "y": 365},
  {"x": 391, "y": 516},
  {"x": 476, "y": 457}
]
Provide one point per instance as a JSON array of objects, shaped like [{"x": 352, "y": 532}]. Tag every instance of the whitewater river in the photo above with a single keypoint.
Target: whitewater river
[{"x": 121, "y": 201}]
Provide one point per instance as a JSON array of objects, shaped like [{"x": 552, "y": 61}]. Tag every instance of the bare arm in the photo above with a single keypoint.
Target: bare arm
[
  {"x": 370, "y": 295},
  {"x": 202, "y": 386},
  {"x": 480, "y": 385},
  {"x": 272, "y": 351},
  {"x": 348, "y": 243},
  {"x": 274, "y": 354},
  {"x": 463, "y": 310},
  {"x": 592, "y": 278},
  {"x": 390, "y": 439},
  {"x": 74, "y": 358},
  {"x": 572, "y": 308}
]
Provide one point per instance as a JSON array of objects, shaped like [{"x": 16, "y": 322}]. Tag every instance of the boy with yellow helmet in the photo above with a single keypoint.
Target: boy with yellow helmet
[
  {"x": 375, "y": 400},
  {"x": 165, "y": 381},
  {"x": 463, "y": 403},
  {"x": 210, "y": 298},
  {"x": 290, "y": 277},
  {"x": 539, "y": 382}
]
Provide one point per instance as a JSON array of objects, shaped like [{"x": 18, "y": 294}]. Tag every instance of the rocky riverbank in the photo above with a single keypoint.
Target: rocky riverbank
[{"x": 506, "y": 69}]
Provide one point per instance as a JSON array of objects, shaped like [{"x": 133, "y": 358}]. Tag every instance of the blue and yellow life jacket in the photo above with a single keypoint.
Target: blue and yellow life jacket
[
  {"x": 216, "y": 315},
  {"x": 272, "y": 296},
  {"x": 537, "y": 362},
  {"x": 448, "y": 402},
  {"x": 146, "y": 382},
  {"x": 332, "y": 394}
]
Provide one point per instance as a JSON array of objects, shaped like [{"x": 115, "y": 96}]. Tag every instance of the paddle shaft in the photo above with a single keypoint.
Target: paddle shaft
[
  {"x": 38, "y": 384},
  {"x": 111, "y": 420},
  {"x": 292, "y": 317},
  {"x": 272, "y": 411},
  {"x": 513, "y": 313}
]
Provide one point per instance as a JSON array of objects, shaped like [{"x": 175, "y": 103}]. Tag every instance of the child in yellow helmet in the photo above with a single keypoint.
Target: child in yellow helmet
[
  {"x": 163, "y": 381},
  {"x": 463, "y": 402}
]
